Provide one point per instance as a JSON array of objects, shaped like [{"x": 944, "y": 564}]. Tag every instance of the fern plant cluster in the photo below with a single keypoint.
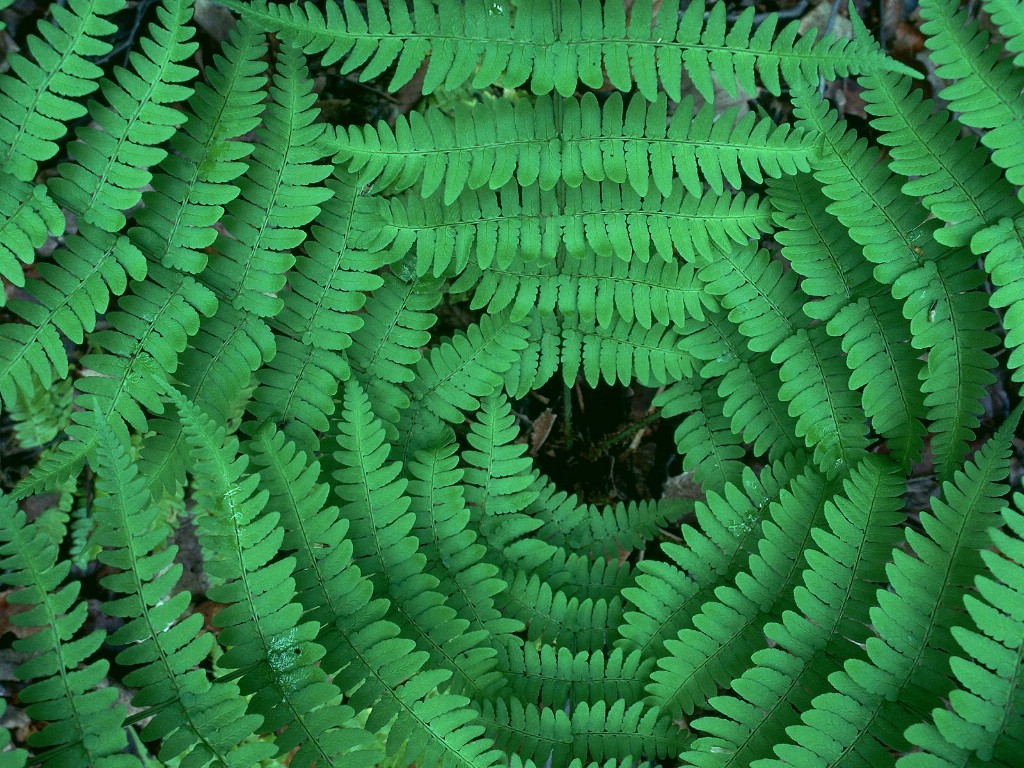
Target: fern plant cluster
[{"x": 393, "y": 581}]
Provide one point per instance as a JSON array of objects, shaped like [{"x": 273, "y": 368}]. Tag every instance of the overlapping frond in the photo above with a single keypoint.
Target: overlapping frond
[
  {"x": 84, "y": 720},
  {"x": 39, "y": 101},
  {"x": 986, "y": 88},
  {"x": 585, "y": 42},
  {"x": 985, "y": 720},
  {"x": 531, "y": 224},
  {"x": 907, "y": 661},
  {"x": 948, "y": 315}
]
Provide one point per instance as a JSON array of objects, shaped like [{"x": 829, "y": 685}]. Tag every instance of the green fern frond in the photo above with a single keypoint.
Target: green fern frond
[
  {"x": 453, "y": 550},
  {"x": 907, "y": 664},
  {"x": 199, "y": 721},
  {"x": 113, "y": 159},
  {"x": 276, "y": 653},
  {"x": 725, "y": 533},
  {"x": 593, "y": 287},
  {"x": 149, "y": 331},
  {"x": 85, "y": 722},
  {"x": 377, "y": 508},
  {"x": 748, "y": 388},
  {"x": 529, "y": 224},
  {"x": 985, "y": 720},
  {"x": 728, "y": 628},
  {"x": 986, "y": 87},
  {"x": 875, "y": 336},
  {"x": 499, "y": 479},
  {"x": 329, "y": 286},
  {"x": 948, "y": 315},
  {"x": 1009, "y": 17},
  {"x": 281, "y": 192},
  {"x": 1003, "y": 244},
  {"x": 42, "y": 415},
  {"x": 600, "y": 530},
  {"x": 553, "y": 674},
  {"x": 583, "y": 42},
  {"x": 69, "y": 295},
  {"x": 550, "y": 140},
  {"x": 216, "y": 375},
  {"x": 192, "y": 185},
  {"x": 832, "y": 610},
  {"x": 597, "y": 731},
  {"x": 460, "y": 372},
  {"x": 27, "y": 217},
  {"x": 37, "y": 105},
  {"x": 396, "y": 322},
  {"x": 950, "y": 174},
  {"x": 764, "y": 303},
  {"x": 623, "y": 353},
  {"x": 554, "y": 616},
  {"x": 705, "y": 438}
]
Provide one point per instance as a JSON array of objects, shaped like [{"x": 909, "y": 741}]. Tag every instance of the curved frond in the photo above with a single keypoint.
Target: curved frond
[
  {"x": 550, "y": 140},
  {"x": 589, "y": 38}
]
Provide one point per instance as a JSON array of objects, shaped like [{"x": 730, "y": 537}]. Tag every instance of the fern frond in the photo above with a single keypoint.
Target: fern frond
[
  {"x": 215, "y": 374},
  {"x": 113, "y": 159},
  {"x": 261, "y": 626},
  {"x": 611, "y": 220},
  {"x": 986, "y": 88},
  {"x": 280, "y": 194},
  {"x": 385, "y": 350},
  {"x": 875, "y": 336},
  {"x": 554, "y": 616},
  {"x": 1003, "y": 244},
  {"x": 948, "y": 315},
  {"x": 985, "y": 720},
  {"x": 198, "y": 721},
  {"x": 748, "y": 388},
  {"x": 538, "y": 363},
  {"x": 364, "y": 650},
  {"x": 150, "y": 329},
  {"x": 69, "y": 295},
  {"x": 704, "y": 439},
  {"x": 950, "y": 174},
  {"x": 321, "y": 312},
  {"x": 550, "y": 140},
  {"x": 593, "y": 287},
  {"x": 623, "y": 353},
  {"x": 726, "y": 531},
  {"x": 601, "y": 530},
  {"x": 764, "y": 303},
  {"x": 192, "y": 185},
  {"x": 584, "y": 41},
  {"x": 832, "y": 610},
  {"x": 468, "y": 367},
  {"x": 1009, "y": 17},
  {"x": 377, "y": 508},
  {"x": 907, "y": 664},
  {"x": 454, "y": 552},
  {"x": 27, "y": 217},
  {"x": 499, "y": 479},
  {"x": 37, "y": 105},
  {"x": 553, "y": 674},
  {"x": 728, "y": 628},
  {"x": 85, "y": 722},
  {"x": 597, "y": 731}
]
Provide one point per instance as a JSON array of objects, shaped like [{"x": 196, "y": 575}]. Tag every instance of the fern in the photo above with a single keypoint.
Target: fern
[
  {"x": 296, "y": 393},
  {"x": 548, "y": 141},
  {"x": 84, "y": 719}
]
